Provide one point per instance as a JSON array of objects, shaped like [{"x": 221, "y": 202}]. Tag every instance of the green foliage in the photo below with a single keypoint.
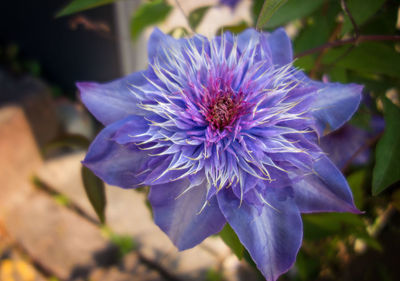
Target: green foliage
[
  {"x": 125, "y": 243},
  {"x": 268, "y": 9},
  {"x": 81, "y": 5},
  {"x": 387, "y": 167},
  {"x": 235, "y": 29},
  {"x": 196, "y": 16},
  {"x": 293, "y": 9},
  {"x": 213, "y": 275},
  {"x": 95, "y": 191},
  {"x": 356, "y": 181},
  {"x": 149, "y": 13},
  {"x": 369, "y": 58},
  {"x": 230, "y": 238},
  {"x": 361, "y": 11}
]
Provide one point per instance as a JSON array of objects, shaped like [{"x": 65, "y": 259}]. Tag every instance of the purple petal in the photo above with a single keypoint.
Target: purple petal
[
  {"x": 281, "y": 47},
  {"x": 325, "y": 191},
  {"x": 114, "y": 163},
  {"x": 272, "y": 237},
  {"x": 112, "y": 101},
  {"x": 342, "y": 144},
  {"x": 334, "y": 104},
  {"x": 181, "y": 216}
]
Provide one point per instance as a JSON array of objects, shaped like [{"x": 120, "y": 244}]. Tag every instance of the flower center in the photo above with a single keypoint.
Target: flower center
[{"x": 224, "y": 109}]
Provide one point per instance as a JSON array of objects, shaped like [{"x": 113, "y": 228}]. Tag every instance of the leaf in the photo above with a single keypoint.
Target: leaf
[
  {"x": 361, "y": 10},
  {"x": 147, "y": 14},
  {"x": 318, "y": 226},
  {"x": 369, "y": 57},
  {"x": 81, "y": 5},
  {"x": 356, "y": 181},
  {"x": 235, "y": 29},
  {"x": 196, "y": 16},
  {"x": 293, "y": 9},
  {"x": 232, "y": 241},
  {"x": 67, "y": 140},
  {"x": 387, "y": 154},
  {"x": 267, "y": 10},
  {"x": 95, "y": 192}
]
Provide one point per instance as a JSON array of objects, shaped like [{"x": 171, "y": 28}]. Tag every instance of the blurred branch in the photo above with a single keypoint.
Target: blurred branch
[
  {"x": 353, "y": 40},
  {"x": 353, "y": 22}
]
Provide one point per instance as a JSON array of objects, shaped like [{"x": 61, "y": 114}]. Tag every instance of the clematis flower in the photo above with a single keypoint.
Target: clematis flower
[{"x": 224, "y": 131}]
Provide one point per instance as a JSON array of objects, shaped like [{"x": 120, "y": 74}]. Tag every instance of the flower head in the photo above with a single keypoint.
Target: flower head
[{"x": 224, "y": 130}]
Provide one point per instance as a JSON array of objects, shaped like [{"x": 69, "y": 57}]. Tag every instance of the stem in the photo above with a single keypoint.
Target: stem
[
  {"x": 353, "y": 22},
  {"x": 352, "y": 40}
]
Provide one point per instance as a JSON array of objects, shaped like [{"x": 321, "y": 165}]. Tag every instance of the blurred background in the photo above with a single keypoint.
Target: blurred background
[{"x": 49, "y": 229}]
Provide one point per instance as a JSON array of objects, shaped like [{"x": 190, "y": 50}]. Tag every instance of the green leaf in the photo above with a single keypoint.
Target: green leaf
[
  {"x": 361, "y": 10},
  {"x": 387, "y": 166},
  {"x": 230, "y": 238},
  {"x": 267, "y": 10},
  {"x": 235, "y": 29},
  {"x": 293, "y": 9},
  {"x": 81, "y": 5},
  {"x": 67, "y": 140},
  {"x": 356, "y": 181},
  {"x": 318, "y": 226},
  {"x": 95, "y": 192},
  {"x": 370, "y": 57},
  {"x": 196, "y": 16},
  {"x": 149, "y": 13}
]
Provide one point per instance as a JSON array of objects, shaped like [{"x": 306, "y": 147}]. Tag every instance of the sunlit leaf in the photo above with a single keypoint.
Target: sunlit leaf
[
  {"x": 81, "y": 5},
  {"x": 95, "y": 191},
  {"x": 293, "y": 9},
  {"x": 230, "y": 238},
  {"x": 149, "y": 13},
  {"x": 197, "y": 15},
  {"x": 268, "y": 9},
  {"x": 387, "y": 166},
  {"x": 235, "y": 29}
]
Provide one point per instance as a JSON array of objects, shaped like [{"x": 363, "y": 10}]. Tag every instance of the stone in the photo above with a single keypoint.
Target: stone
[{"x": 127, "y": 214}]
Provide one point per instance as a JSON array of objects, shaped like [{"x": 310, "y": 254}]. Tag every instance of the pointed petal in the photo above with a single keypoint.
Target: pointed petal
[
  {"x": 341, "y": 145},
  {"x": 334, "y": 103},
  {"x": 272, "y": 237},
  {"x": 115, "y": 100},
  {"x": 114, "y": 163},
  {"x": 325, "y": 191},
  {"x": 180, "y": 217},
  {"x": 281, "y": 47}
]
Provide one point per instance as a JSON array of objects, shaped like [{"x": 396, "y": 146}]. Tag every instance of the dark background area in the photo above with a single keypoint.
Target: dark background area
[{"x": 65, "y": 55}]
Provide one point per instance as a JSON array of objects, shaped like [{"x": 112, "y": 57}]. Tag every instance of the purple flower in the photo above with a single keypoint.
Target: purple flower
[
  {"x": 231, "y": 3},
  {"x": 224, "y": 130}
]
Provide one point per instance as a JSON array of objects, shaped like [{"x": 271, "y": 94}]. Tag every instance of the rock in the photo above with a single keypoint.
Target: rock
[{"x": 127, "y": 214}]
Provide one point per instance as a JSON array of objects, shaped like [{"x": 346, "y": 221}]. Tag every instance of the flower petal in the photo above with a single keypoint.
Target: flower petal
[
  {"x": 334, "y": 103},
  {"x": 325, "y": 191},
  {"x": 281, "y": 47},
  {"x": 341, "y": 145},
  {"x": 115, "y": 100},
  {"x": 272, "y": 237},
  {"x": 179, "y": 214},
  {"x": 114, "y": 163}
]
